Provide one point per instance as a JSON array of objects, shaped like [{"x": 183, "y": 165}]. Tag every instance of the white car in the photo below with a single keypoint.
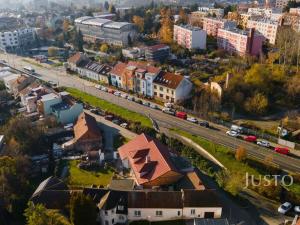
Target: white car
[
  {"x": 98, "y": 86},
  {"x": 263, "y": 143},
  {"x": 297, "y": 209},
  {"x": 153, "y": 106},
  {"x": 124, "y": 96},
  {"x": 130, "y": 98},
  {"x": 232, "y": 133},
  {"x": 117, "y": 93},
  {"x": 168, "y": 105},
  {"x": 146, "y": 103},
  {"x": 124, "y": 125},
  {"x": 285, "y": 207},
  {"x": 168, "y": 111},
  {"x": 192, "y": 119},
  {"x": 104, "y": 89}
]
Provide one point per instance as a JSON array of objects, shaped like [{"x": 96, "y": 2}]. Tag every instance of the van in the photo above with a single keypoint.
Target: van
[
  {"x": 181, "y": 115},
  {"x": 282, "y": 150}
]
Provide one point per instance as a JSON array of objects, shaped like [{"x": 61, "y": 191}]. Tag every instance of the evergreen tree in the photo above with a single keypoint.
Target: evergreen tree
[{"x": 82, "y": 210}]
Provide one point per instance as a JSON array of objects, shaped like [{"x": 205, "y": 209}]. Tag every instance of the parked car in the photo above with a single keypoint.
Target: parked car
[
  {"x": 237, "y": 129},
  {"x": 146, "y": 104},
  {"x": 111, "y": 91},
  {"x": 250, "y": 138},
  {"x": 282, "y": 150},
  {"x": 117, "y": 93},
  {"x": 181, "y": 115},
  {"x": 285, "y": 207},
  {"x": 104, "y": 89},
  {"x": 139, "y": 101},
  {"x": 124, "y": 96},
  {"x": 204, "y": 124},
  {"x": 169, "y": 111},
  {"x": 263, "y": 143},
  {"x": 116, "y": 121},
  {"x": 153, "y": 106},
  {"x": 168, "y": 105},
  {"x": 232, "y": 133},
  {"x": 297, "y": 209},
  {"x": 192, "y": 119},
  {"x": 109, "y": 117},
  {"x": 95, "y": 111},
  {"x": 98, "y": 86},
  {"x": 124, "y": 125},
  {"x": 130, "y": 98}
]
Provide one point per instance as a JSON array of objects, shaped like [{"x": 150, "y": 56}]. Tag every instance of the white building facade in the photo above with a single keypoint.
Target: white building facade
[{"x": 190, "y": 37}]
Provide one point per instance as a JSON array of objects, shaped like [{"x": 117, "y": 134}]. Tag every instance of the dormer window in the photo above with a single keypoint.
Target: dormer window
[{"x": 120, "y": 207}]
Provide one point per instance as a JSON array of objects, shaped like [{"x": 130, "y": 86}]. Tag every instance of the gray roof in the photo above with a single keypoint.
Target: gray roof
[
  {"x": 211, "y": 222},
  {"x": 96, "y": 21},
  {"x": 116, "y": 25}
]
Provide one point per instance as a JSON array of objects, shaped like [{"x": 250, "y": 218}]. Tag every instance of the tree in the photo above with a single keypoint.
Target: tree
[
  {"x": 293, "y": 88},
  {"x": 78, "y": 42},
  {"x": 106, "y": 5},
  {"x": 257, "y": 104},
  {"x": 240, "y": 154},
  {"x": 2, "y": 85},
  {"x": 139, "y": 22},
  {"x": 183, "y": 18},
  {"x": 82, "y": 210},
  {"x": 104, "y": 48},
  {"x": 112, "y": 8},
  {"x": 52, "y": 51},
  {"x": 166, "y": 30},
  {"x": 66, "y": 25},
  {"x": 39, "y": 215}
]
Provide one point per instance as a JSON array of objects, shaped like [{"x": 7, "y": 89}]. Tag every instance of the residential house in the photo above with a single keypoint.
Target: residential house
[
  {"x": 159, "y": 52},
  {"x": 96, "y": 71},
  {"x": 16, "y": 85},
  {"x": 52, "y": 193},
  {"x": 150, "y": 162},
  {"x": 77, "y": 62},
  {"x": 170, "y": 87},
  {"x": 61, "y": 106},
  {"x": 135, "y": 76},
  {"x": 87, "y": 136}
]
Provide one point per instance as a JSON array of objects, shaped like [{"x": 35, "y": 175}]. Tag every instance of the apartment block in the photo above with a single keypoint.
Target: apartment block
[
  {"x": 105, "y": 30},
  {"x": 190, "y": 37},
  {"x": 211, "y": 25},
  {"x": 267, "y": 28},
  {"x": 240, "y": 42}
]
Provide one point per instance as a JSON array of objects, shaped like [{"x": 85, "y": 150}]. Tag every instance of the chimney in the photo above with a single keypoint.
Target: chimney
[{"x": 148, "y": 159}]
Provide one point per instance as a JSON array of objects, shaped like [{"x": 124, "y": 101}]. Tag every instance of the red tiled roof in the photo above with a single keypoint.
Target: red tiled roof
[
  {"x": 75, "y": 58},
  {"x": 145, "y": 66},
  {"x": 118, "y": 69},
  {"x": 149, "y": 159},
  {"x": 168, "y": 79},
  {"x": 298, "y": 222},
  {"x": 86, "y": 127}
]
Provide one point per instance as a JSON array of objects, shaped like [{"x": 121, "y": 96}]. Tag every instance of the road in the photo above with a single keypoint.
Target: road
[{"x": 166, "y": 121}]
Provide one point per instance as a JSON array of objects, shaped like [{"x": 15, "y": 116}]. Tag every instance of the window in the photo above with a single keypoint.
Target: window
[
  {"x": 178, "y": 213},
  {"x": 106, "y": 222},
  {"x": 193, "y": 211},
  {"x": 121, "y": 217},
  {"x": 209, "y": 215},
  {"x": 161, "y": 95},
  {"x": 113, "y": 221},
  {"x": 159, "y": 213},
  {"x": 106, "y": 213},
  {"x": 168, "y": 90},
  {"x": 161, "y": 88},
  {"x": 155, "y": 93},
  {"x": 120, "y": 207},
  {"x": 172, "y": 92},
  {"x": 155, "y": 87},
  {"x": 137, "y": 213}
]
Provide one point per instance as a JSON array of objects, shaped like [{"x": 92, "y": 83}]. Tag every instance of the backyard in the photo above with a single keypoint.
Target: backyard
[{"x": 79, "y": 177}]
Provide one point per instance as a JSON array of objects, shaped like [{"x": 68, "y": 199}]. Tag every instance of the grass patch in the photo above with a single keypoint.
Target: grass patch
[
  {"x": 79, "y": 177},
  {"x": 111, "y": 108},
  {"x": 221, "y": 153},
  {"x": 58, "y": 64}
]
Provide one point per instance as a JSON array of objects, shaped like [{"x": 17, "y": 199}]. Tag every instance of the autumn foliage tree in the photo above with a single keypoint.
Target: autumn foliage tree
[
  {"x": 240, "y": 154},
  {"x": 166, "y": 30},
  {"x": 257, "y": 104},
  {"x": 139, "y": 22}
]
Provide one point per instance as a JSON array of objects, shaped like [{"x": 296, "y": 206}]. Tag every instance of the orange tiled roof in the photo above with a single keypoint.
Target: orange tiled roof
[
  {"x": 149, "y": 159},
  {"x": 168, "y": 79},
  {"x": 86, "y": 127}
]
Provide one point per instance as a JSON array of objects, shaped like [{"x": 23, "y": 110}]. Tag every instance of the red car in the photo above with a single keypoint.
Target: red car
[
  {"x": 282, "y": 150},
  {"x": 111, "y": 91},
  {"x": 181, "y": 115},
  {"x": 250, "y": 138}
]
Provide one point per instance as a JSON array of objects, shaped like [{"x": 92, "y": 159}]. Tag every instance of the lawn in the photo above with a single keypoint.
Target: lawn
[
  {"x": 109, "y": 107},
  {"x": 79, "y": 177},
  {"x": 32, "y": 62},
  {"x": 221, "y": 153}
]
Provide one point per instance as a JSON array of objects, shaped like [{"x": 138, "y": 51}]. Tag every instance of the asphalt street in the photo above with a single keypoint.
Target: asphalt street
[{"x": 166, "y": 121}]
